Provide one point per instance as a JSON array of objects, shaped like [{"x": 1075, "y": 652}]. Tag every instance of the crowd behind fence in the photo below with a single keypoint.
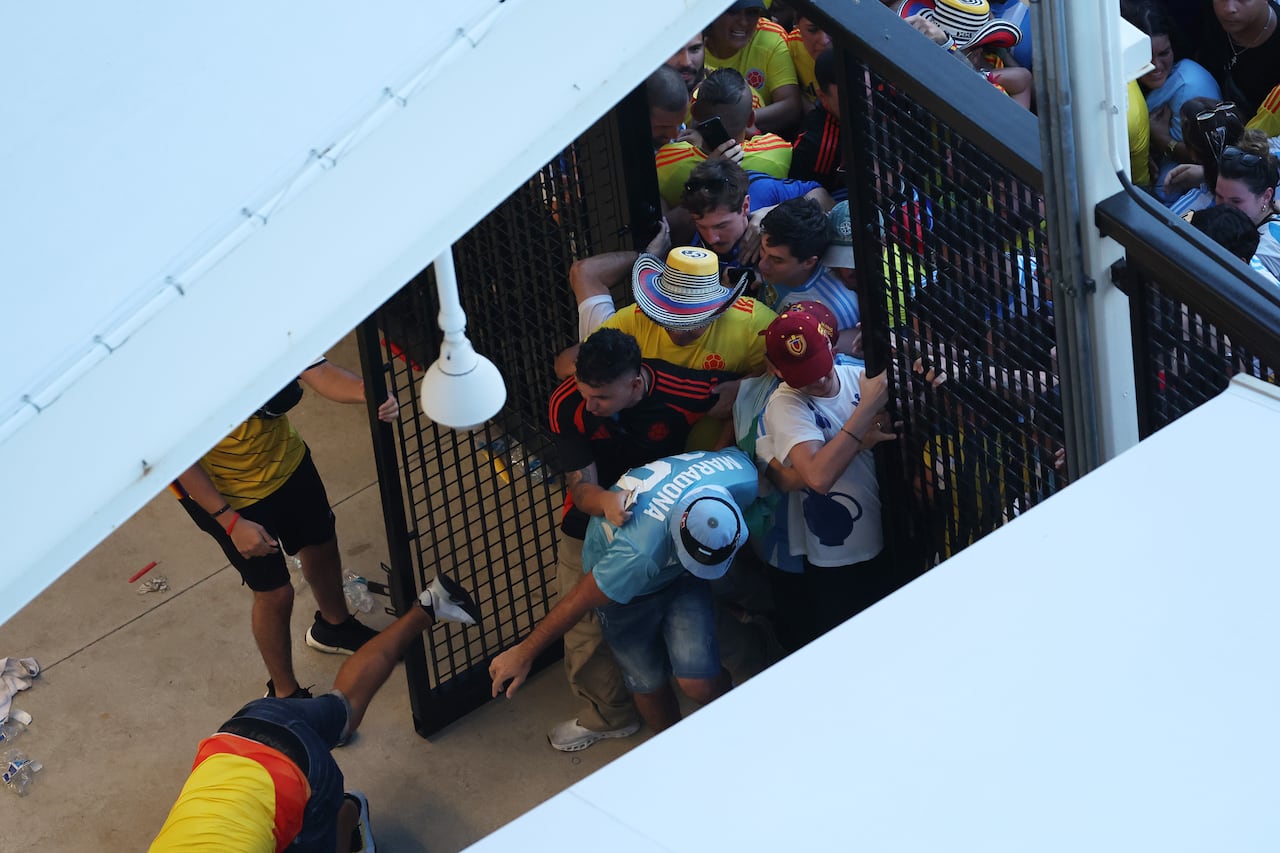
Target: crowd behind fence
[{"x": 951, "y": 256}]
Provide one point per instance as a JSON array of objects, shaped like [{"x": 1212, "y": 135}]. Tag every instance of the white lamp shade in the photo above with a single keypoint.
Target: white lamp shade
[{"x": 461, "y": 389}]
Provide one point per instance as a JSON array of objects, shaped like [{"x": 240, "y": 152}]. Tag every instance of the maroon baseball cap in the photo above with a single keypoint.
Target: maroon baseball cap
[
  {"x": 822, "y": 312},
  {"x": 798, "y": 344}
]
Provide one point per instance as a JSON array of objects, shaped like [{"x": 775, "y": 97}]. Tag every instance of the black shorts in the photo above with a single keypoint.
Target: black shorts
[{"x": 296, "y": 515}]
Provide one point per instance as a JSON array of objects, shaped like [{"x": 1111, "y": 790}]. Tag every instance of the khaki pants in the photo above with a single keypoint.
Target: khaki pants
[{"x": 588, "y": 663}]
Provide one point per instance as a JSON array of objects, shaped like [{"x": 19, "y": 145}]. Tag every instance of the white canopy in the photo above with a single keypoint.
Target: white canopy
[
  {"x": 1095, "y": 675},
  {"x": 200, "y": 198}
]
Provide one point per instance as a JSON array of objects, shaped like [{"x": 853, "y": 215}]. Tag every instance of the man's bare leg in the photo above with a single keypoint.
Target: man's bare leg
[
  {"x": 322, "y": 567},
  {"x": 270, "y": 621},
  {"x": 368, "y": 669},
  {"x": 706, "y": 690},
  {"x": 659, "y": 709}
]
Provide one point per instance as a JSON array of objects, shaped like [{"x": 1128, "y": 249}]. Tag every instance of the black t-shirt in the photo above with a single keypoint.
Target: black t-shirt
[
  {"x": 1255, "y": 73},
  {"x": 655, "y": 427},
  {"x": 817, "y": 153}
]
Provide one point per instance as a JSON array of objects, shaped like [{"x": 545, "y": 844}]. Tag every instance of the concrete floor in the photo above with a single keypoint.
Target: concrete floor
[{"x": 132, "y": 682}]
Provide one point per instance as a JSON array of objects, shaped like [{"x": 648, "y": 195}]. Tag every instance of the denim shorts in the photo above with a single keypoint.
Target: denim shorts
[
  {"x": 672, "y": 631},
  {"x": 320, "y": 724}
]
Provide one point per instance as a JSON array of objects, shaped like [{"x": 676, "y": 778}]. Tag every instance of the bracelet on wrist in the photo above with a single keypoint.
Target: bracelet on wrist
[
  {"x": 851, "y": 435},
  {"x": 220, "y": 510},
  {"x": 232, "y": 525}
]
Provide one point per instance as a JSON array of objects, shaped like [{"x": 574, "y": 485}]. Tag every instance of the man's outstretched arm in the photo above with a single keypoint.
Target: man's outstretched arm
[
  {"x": 509, "y": 669},
  {"x": 364, "y": 673}
]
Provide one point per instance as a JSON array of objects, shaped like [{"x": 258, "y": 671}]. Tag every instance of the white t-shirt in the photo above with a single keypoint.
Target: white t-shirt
[
  {"x": 1266, "y": 259},
  {"x": 841, "y": 527}
]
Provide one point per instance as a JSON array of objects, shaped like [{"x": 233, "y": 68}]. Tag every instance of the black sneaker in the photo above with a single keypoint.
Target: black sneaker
[
  {"x": 300, "y": 693},
  {"x": 341, "y": 639}
]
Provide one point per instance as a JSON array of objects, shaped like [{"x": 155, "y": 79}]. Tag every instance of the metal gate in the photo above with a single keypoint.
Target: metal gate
[
  {"x": 950, "y": 243},
  {"x": 483, "y": 506},
  {"x": 950, "y": 250}
]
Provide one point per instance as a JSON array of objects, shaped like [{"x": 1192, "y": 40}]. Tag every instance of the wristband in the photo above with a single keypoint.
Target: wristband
[
  {"x": 232, "y": 525},
  {"x": 851, "y": 435},
  {"x": 223, "y": 509}
]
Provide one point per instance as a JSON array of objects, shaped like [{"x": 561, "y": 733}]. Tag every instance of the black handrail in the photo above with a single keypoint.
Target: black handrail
[
  {"x": 1195, "y": 270},
  {"x": 920, "y": 69}
]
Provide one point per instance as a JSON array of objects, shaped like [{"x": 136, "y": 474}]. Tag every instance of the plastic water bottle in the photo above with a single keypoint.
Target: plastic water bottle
[
  {"x": 15, "y": 724},
  {"x": 521, "y": 465},
  {"x": 517, "y": 458},
  {"x": 356, "y": 590},
  {"x": 18, "y": 771}
]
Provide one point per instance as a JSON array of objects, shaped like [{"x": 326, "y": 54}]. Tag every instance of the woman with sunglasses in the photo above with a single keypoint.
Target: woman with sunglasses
[
  {"x": 1208, "y": 129},
  {"x": 1170, "y": 84},
  {"x": 1247, "y": 178}
]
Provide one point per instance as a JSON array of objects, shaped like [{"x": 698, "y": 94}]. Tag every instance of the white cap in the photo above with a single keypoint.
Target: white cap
[{"x": 707, "y": 528}]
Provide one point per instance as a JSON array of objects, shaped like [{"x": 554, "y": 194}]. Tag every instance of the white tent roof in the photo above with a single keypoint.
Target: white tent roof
[{"x": 198, "y": 199}]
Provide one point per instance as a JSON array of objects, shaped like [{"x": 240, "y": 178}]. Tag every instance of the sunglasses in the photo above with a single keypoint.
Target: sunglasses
[
  {"x": 708, "y": 184},
  {"x": 1235, "y": 155},
  {"x": 1213, "y": 125},
  {"x": 1224, "y": 107}
]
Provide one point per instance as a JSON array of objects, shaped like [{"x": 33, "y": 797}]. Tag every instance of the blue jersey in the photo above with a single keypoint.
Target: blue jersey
[
  {"x": 823, "y": 286},
  {"x": 639, "y": 558}
]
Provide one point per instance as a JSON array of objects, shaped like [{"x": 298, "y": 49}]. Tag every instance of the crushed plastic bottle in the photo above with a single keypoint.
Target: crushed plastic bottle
[
  {"x": 517, "y": 458},
  {"x": 13, "y": 725},
  {"x": 522, "y": 465},
  {"x": 19, "y": 771},
  {"x": 356, "y": 589}
]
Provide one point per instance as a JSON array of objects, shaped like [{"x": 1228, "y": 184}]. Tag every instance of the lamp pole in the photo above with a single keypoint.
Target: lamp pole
[{"x": 461, "y": 388}]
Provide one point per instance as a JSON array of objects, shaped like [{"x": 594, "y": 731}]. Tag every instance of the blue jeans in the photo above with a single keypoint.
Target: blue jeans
[
  {"x": 671, "y": 631},
  {"x": 319, "y": 724}
]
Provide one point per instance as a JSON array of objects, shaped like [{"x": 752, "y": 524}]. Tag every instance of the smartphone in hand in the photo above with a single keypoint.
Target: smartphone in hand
[{"x": 713, "y": 134}]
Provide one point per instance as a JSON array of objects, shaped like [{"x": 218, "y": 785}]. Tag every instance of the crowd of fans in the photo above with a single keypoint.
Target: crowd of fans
[
  {"x": 742, "y": 349},
  {"x": 1213, "y": 97},
  {"x": 748, "y": 301},
  {"x": 731, "y": 405}
]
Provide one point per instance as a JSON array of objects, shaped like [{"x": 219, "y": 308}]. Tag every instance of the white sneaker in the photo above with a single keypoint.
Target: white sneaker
[
  {"x": 361, "y": 836},
  {"x": 570, "y": 736},
  {"x": 446, "y": 600}
]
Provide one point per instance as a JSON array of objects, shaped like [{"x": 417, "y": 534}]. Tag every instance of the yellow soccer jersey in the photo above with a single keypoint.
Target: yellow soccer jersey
[
  {"x": 765, "y": 63},
  {"x": 255, "y": 460},
  {"x": 1139, "y": 136},
  {"x": 228, "y": 803},
  {"x": 733, "y": 342},
  {"x": 804, "y": 67},
  {"x": 1267, "y": 119},
  {"x": 674, "y": 162},
  {"x": 768, "y": 153}
]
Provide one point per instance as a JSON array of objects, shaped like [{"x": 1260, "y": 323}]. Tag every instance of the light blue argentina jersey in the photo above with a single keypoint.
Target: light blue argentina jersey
[
  {"x": 823, "y": 286},
  {"x": 639, "y": 558}
]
